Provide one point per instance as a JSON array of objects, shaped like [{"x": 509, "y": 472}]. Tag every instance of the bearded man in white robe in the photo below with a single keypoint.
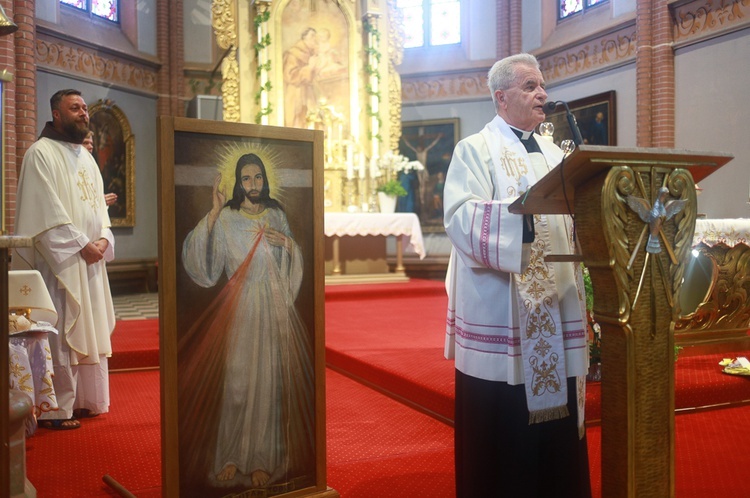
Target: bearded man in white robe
[
  {"x": 61, "y": 206},
  {"x": 260, "y": 368},
  {"x": 515, "y": 322}
]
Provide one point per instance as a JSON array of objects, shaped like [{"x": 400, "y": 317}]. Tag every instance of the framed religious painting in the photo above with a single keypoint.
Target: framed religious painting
[
  {"x": 316, "y": 43},
  {"x": 114, "y": 152},
  {"x": 431, "y": 143},
  {"x": 5, "y": 76},
  {"x": 595, "y": 116},
  {"x": 241, "y": 288}
]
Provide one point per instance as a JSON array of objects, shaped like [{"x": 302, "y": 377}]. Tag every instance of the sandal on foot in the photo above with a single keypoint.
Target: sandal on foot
[
  {"x": 84, "y": 413},
  {"x": 60, "y": 424}
]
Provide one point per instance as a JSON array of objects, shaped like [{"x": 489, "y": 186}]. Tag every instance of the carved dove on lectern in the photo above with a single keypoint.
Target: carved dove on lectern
[{"x": 655, "y": 215}]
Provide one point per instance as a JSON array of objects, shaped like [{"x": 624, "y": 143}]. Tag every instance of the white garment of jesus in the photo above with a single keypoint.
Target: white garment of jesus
[{"x": 266, "y": 409}]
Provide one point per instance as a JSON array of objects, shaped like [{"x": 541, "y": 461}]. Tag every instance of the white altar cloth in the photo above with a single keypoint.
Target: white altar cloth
[
  {"x": 31, "y": 369},
  {"x": 364, "y": 224},
  {"x": 731, "y": 231}
]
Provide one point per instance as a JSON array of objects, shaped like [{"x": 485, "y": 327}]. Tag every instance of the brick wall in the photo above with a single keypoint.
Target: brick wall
[
  {"x": 19, "y": 107},
  {"x": 654, "y": 75},
  {"x": 169, "y": 43}
]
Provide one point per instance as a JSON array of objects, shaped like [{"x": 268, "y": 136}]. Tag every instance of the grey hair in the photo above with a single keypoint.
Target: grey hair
[{"x": 502, "y": 73}]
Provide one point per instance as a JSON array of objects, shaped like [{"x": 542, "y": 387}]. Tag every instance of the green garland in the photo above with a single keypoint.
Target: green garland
[
  {"x": 373, "y": 53},
  {"x": 262, "y": 44}
]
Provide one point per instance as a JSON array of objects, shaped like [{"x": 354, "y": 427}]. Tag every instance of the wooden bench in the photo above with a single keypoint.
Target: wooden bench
[{"x": 132, "y": 276}]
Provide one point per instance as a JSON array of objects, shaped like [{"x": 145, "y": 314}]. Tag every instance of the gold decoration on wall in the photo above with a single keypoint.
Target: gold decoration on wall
[
  {"x": 84, "y": 62},
  {"x": 114, "y": 151},
  {"x": 225, "y": 28},
  {"x": 461, "y": 86},
  {"x": 706, "y": 18},
  {"x": 609, "y": 50},
  {"x": 395, "y": 57}
]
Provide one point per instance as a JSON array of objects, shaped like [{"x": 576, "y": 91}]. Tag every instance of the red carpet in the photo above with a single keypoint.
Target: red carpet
[
  {"x": 377, "y": 448},
  {"x": 124, "y": 443},
  {"x": 135, "y": 344},
  {"x": 390, "y": 336},
  {"x": 403, "y": 355}
]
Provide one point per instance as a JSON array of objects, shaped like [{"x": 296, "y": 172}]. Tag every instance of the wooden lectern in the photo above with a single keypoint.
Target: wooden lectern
[{"x": 636, "y": 291}]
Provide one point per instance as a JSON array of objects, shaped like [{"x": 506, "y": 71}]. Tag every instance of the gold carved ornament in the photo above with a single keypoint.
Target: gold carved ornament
[
  {"x": 395, "y": 57},
  {"x": 225, "y": 29},
  {"x": 726, "y": 305},
  {"x": 129, "y": 139},
  {"x": 627, "y": 185}
]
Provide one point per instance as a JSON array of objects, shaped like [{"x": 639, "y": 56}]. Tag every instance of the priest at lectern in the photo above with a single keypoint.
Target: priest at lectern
[{"x": 515, "y": 322}]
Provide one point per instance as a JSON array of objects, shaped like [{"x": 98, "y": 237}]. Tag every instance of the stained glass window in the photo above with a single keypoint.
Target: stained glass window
[
  {"x": 431, "y": 22},
  {"x": 106, "y": 9},
  {"x": 570, "y": 7}
]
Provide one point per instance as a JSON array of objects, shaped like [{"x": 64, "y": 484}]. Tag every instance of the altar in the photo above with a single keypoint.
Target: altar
[{"x": 356, "y": 246}]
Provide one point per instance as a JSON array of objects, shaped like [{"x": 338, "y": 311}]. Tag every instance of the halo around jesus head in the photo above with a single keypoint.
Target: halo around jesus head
[{"x": 232, "y": 153}]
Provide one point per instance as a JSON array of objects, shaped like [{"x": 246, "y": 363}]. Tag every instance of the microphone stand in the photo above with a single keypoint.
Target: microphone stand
[
  {"x": 549, "y": 108},
  {"x": 573, "y": 125}
]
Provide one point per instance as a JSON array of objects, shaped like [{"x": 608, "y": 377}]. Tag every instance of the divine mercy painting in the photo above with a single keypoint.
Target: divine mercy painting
[{"x": 245, "y": 320}]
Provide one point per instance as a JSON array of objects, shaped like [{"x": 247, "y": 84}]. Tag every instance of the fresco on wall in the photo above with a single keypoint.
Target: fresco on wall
[{"x": 315, "y": 43}]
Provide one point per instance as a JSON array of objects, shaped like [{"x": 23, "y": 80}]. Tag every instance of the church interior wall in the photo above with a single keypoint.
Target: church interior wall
[
  {"x": 708, "y": 76},
  {"x": 139, "y": 241},
  {"x": 146, "y": 25},
  {"x": 621, "y": 80},
  {"x": 198, "y": 32},
  {"x": 711, "y": 113}
]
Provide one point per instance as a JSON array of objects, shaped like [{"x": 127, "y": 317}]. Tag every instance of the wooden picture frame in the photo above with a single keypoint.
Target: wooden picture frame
[
  {"x": 595, "y": 130},
  {"x": 114, "y": 152},
  {"x": 5, "y": 77},
  {"x": 431, "y": 143},
  {"x": 208, "y": 329}
]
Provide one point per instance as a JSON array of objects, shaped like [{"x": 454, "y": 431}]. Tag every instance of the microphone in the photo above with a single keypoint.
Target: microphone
[{"x": 550, "y": 106}]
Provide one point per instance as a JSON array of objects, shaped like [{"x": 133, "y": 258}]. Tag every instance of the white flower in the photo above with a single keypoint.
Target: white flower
[{"x": 398, "y": 163}]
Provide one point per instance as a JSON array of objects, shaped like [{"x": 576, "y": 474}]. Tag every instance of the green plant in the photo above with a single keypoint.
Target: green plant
[{"x": 392, "y": 187}]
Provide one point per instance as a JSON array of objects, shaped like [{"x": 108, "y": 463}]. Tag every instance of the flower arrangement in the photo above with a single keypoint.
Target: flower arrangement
[{"x": 391, "y": 162}]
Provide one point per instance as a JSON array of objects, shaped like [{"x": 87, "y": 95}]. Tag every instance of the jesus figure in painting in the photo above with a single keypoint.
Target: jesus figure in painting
[{"x": 264, "y": 434}]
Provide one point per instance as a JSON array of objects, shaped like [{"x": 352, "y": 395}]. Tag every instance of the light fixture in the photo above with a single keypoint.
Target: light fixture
[
  {"x": 7, "y": 26},
  {"x": 547, "y": 130}
]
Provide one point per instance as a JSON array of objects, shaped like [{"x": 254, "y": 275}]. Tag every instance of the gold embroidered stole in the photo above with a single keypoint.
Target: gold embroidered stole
[
  {"x": 542, "y": 346},
  {"x": 541, "y": 333}
]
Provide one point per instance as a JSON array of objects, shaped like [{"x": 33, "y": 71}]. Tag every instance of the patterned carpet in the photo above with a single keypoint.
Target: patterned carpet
[{"x": 136, "y": 306}]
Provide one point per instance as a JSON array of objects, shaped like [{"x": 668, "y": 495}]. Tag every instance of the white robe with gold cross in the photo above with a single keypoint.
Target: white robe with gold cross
[
  {"x": 61, "y": 205},
  {"x": 489, "y": 171}
]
